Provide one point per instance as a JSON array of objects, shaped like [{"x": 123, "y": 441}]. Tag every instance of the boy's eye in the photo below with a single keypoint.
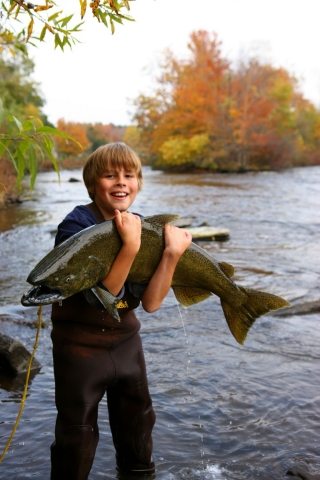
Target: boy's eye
[{"x": 114, "y": 174}]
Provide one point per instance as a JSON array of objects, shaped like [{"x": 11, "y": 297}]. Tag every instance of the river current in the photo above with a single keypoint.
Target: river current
[{"x": 224, "y": 411}]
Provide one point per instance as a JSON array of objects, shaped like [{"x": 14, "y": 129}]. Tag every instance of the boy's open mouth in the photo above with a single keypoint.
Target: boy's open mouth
[{"x": 119, "y": 194}]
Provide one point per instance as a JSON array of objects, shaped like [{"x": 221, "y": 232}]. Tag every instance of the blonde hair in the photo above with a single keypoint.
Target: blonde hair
[{"x": 112, "y": 156}]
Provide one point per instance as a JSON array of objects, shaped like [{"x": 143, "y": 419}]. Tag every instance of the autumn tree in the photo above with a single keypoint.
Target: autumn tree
[
  {"x": 189, "y": 100},
  {"x": 205, "y": 114},
  {"x": 264, "y": 113},
  {"x": 80, "y": 142},
  {"x": 26, "y": 139},
  {"x": 308, "y": 124},
  {"x": 99, "y": 134},
  {"x": 134, "y": 137}
]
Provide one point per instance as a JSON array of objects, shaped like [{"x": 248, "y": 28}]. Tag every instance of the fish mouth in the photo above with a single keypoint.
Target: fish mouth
[{"x": 41, "y": 295}]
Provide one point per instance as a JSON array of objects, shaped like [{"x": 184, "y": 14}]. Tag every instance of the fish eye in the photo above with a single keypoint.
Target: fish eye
[{"x": 69, "y": 278}]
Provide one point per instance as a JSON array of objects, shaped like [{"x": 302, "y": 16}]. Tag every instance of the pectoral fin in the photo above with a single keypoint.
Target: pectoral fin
[
  {"x": 188, "y": 296},
  {"x": 108, "y": 301}
]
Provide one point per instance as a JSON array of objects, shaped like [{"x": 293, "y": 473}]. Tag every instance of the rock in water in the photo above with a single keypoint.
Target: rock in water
[{"x": 14, "y": 357}]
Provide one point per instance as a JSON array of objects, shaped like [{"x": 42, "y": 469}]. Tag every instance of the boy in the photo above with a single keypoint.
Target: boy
[{"x": 94, "y": 354}]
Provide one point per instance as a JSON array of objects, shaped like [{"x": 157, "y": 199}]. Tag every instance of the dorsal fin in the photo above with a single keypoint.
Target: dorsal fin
[
  {"x": 227, "y": 269},
  {"x": 161, "y": 219}
]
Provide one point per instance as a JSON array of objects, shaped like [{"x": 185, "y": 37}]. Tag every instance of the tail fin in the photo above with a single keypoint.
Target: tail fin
[{"x": 258, "y": 303}]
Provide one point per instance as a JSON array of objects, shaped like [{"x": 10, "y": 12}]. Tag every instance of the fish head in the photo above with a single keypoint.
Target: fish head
[{"x": 65, "y": 280}]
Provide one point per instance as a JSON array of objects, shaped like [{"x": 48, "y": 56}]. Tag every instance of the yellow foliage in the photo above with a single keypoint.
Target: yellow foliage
[
  {"x": 31, "y": 110},
  {"x": 83, "y": 8},
  {"x": 177, "y": 151}
]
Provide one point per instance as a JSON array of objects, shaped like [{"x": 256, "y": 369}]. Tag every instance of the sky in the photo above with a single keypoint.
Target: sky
[{"x": 100, "y": 77}]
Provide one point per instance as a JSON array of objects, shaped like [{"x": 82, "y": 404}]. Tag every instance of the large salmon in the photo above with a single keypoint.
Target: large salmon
[{"x": 84, "y": 259}]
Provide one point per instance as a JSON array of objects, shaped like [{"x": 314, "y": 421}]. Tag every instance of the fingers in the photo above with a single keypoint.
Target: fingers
[
  {"x": 123, "y": 218},
  {"x": 129, "y": 227},
  {"x": 177, "y": 239},
  {"x": 176, "y": 232},
  {"x": 118, "y": 217}
]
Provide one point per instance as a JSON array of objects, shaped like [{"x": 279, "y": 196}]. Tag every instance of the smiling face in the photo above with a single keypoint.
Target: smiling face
[
  {"x": 115, "y": 189},
  {"x": 113, "y": 177}
]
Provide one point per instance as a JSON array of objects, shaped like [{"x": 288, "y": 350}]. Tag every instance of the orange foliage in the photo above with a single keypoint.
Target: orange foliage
[
  {"x": 254, "y": 116},
  {"x": 78, "y": 132},
  {"x": 197, "y": 93}
]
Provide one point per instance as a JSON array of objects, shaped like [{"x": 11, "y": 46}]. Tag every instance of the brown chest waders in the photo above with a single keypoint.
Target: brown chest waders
[{"x": 91, "y": 359}]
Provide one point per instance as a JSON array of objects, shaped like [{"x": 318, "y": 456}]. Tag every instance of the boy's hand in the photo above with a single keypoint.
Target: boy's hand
[
  {"x": 129, "y": 228},
  {"x": 177, "y": 240}
]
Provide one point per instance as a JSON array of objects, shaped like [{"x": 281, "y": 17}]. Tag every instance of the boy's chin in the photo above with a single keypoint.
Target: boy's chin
[{"x": 123, "y": 207}]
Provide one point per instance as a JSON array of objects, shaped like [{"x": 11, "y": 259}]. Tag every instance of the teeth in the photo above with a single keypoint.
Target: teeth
[{"x": 120, "y": 194}]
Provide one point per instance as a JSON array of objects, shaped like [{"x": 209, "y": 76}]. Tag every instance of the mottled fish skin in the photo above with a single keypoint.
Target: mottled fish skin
[{"x": 83, "y": 260}]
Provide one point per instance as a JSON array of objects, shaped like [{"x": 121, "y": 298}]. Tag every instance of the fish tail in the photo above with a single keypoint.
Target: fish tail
[{"x": 257, "y": 303}]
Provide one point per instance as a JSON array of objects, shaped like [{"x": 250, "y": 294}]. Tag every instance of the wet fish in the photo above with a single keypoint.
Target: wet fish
[{"x": 80, "y": 262}]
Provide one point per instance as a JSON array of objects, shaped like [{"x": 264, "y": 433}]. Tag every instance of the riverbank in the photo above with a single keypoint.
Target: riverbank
[
  {"x": 8, "y": 187},
  {"x": 9, "y": 190}
]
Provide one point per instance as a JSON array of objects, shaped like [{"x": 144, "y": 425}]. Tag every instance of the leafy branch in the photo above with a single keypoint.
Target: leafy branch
[
  {"x": 29, "y": 17},
  {"x": 28, "y": 143}
]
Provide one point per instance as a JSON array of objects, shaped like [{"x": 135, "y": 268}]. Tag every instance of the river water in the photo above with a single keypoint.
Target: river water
[{"x": 224, "y": 411}]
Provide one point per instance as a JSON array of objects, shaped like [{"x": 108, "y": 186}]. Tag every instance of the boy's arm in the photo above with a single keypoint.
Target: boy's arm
[
  {"x": 129, "y": 228},
  {"x": 177, "y": 241}
]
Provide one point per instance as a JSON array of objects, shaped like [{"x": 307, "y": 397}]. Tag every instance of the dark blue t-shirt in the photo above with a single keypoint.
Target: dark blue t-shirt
[{"x": 81, "y": 217}]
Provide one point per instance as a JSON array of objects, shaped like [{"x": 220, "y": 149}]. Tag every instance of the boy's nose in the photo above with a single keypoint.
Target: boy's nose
[{"x": 121, "y": 179}]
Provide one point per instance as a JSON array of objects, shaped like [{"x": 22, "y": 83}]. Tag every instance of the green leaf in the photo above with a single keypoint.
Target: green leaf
[
  {"x": 115, "y": 18},
  {"x": 20, "y": 164},
  {"x": 4, "y": 7},
  {"x": 57, "y": 41},
  {"x": 65, "y": 41},
  {"x": 43, "y": 33},
  {"x": 54, "y": 16},
  {"x": 5, "y": 148},
  {"x": 17, "y": 122},
  {"x": 77, "y": 27},
  {"x": 32, "y": 166},
  {"x": 64, "y": 21},
  {"x": 112, "y": 25},
  {"x": 2, "y": 111},
  {"x": 126, "y": 17},
  {"x": 28, "y": 125},
  {"x": 47, "y": 129}
]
